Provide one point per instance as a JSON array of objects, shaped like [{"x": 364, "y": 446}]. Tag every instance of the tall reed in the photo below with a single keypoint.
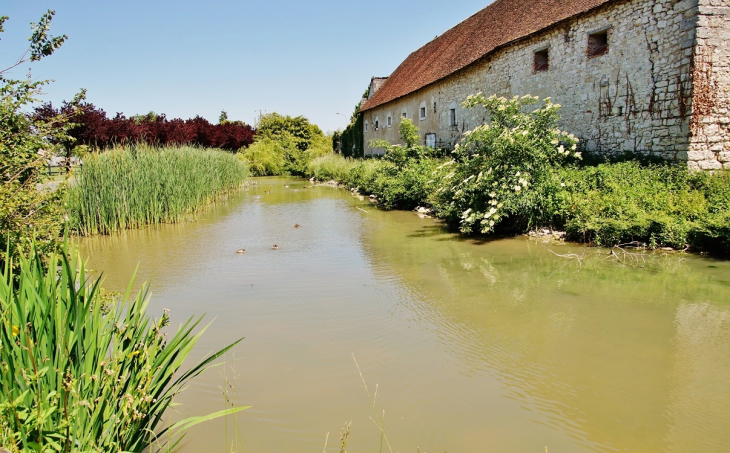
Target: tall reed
[
  {"x": 132, "y": 186},
  {"x": 78, "y": 374}
]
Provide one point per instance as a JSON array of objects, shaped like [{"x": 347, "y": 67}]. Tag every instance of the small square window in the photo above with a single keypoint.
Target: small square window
[
  {"x": 597, "y": 44},
  {"x": 423, "y": 112},
  {"x": 390, "y": 121},
  {"x": 542, "y": 62},
  {"x": 403, "y": 115},
  {"x": 452, "y": 117}
]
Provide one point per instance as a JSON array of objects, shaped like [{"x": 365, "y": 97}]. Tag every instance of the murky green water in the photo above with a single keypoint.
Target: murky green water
[{"x": 475, "y": 346}]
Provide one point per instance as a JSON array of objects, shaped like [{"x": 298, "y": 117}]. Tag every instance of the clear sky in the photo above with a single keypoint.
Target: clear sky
[{"x": 188, "y": 57}]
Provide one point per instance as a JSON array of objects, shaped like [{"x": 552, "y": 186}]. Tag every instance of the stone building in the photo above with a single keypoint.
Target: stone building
[{"x": 632, "y": 75}]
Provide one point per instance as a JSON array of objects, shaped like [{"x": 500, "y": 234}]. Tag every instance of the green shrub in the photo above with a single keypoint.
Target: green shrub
[
  {"x": 662, "y": 205},
  {"x": 80, "y": 374},
  {"x": 26, "y": 143},
  {"x": 133, "y": 186},
  {"x": 330, "y": 167},
  {"x": 265, "y": 157},
  {"x": 505, "y": 169}
]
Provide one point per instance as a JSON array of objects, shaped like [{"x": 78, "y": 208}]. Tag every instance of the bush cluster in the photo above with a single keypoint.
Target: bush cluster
[
  {"x": 285, "y": 145},
  {"x": 91, "y": 127}
]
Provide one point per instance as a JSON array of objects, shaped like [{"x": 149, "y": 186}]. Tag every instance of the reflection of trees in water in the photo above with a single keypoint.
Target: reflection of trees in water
[{"x": 592, "y": 352}]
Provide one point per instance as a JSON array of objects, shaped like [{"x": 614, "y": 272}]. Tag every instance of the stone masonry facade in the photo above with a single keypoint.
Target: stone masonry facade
[{"x": 662, "y": 87}]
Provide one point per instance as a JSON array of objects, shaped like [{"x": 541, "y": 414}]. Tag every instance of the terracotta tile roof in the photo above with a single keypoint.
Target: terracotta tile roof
[{"x": 500, "y": 23}]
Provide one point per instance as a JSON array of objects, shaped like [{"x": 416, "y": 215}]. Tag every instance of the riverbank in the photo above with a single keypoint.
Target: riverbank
[{"x": 654, "y": 205}]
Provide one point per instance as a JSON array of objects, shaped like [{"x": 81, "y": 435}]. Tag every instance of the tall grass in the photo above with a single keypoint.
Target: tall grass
[
  {"x": 132, "y": 186},
  {"x": 80, "y": 374},
  {"x": 330, "y": 167}
]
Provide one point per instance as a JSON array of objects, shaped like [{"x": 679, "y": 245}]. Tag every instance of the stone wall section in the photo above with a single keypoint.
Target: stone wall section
[
  {"x": 636, "y": 97},
  {"x": 710, "y": 145}
]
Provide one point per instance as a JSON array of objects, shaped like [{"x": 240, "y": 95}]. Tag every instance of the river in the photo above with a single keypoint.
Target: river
[{"x": 474, "y": 345}]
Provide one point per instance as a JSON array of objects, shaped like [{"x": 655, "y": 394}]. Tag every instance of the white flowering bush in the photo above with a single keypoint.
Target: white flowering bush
[{"x": 506, "y": 168}]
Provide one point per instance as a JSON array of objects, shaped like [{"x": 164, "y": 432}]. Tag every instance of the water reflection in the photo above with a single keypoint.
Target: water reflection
[
  {"x": 588, "y": 350},
  {"x": 476, "y": 345}
]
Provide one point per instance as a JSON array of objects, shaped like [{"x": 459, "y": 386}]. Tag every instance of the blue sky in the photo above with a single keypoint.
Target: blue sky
[{"x": 185, "y": 57}]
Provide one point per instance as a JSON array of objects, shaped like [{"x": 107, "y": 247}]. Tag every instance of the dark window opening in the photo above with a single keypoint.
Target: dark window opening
[
  {"x": 452, "y": 117},
  {"x": 377, "y": 124},
  {"x": 620, "y": 110},
  {"x": 541, "y": 60},
  {"x": 423, "y": 112},
  {"x": 597, "y": 44},
  {"x": 404, "y": 115},
  {"x": 390, "y": 122},
  {"x": 434, "y": 107}
]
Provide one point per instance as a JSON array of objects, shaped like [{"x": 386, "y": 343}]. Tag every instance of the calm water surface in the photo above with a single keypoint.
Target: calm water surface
[{"x": 474, "y": 346}]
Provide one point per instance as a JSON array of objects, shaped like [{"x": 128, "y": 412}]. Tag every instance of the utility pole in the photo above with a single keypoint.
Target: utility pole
[{"x": 261, "y": 114}]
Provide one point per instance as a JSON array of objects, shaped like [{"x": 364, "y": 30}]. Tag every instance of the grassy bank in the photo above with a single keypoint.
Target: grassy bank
[
  {"x": 128, "y": 187},
  {"x": 521, "y": 173},
  {"x": 80, "y": 372}
]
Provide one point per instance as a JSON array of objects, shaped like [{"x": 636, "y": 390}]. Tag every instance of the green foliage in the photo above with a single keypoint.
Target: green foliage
[
  {"x": 129, "y": 187},
  {"x": 80, "y": 374},
  {"x": 297, "y": 129},
  {"x": 505, "y": 169},
  {"x": 405, "y": 176},
  {"x": 285, "y": 145},
  {"x": 661, "y": 205},
  {"x": 330, "y": 167},
  {"x": 223, "y": 117},
  {"x": 265, "y": 156},
  {"x": 26, "y": 142},
  {"x": 353, "y": 139}
]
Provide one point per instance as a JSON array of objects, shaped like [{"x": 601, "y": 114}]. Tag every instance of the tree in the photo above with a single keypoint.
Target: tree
[
  {"x": 223, "y": 118},
  {"x": 26, "y": 142},
  {"x": 298, "y": 129}
]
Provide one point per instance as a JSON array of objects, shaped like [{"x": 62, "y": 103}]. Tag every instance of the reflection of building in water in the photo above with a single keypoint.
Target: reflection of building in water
[{"x": 701, "y": 378}]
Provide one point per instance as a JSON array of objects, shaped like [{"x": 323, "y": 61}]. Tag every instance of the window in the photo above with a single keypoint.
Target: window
[
  {"x": 423, "y": 113},
  {"x": 366, "y": 126},
  {"x": 452, "y": 117},
  {"x": 377, "y": 124},
  {"x": 597, "y": 44},
  {"x": 541, "y": 60},
  {"x": 431, "y": 140},
  {"x": 434, "y": 107},
  {"x": 390, "y": 121},
  {"x": 403, "y": 115}
]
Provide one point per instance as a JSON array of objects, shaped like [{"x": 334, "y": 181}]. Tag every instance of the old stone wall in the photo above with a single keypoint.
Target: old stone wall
[
  {"x": 635, "y": 97},
  {"x": 710, "y": 148}
]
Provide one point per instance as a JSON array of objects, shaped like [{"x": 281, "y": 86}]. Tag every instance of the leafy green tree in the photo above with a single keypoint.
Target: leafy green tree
[
  {"x": 223, "y": 117},
  {"x": 298, "y": 129},
  {"x": 26, "y": 143}
]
